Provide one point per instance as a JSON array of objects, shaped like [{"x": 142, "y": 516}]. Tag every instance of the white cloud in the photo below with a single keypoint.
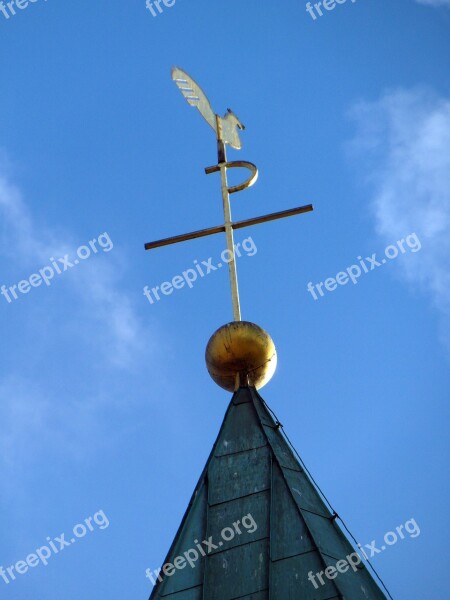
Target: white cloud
[
  {"x": 29, "y": 244},
  {"x": 405, "y": 137},
  {"x": 23, "y": 412},
  {"x": 95, "y": 320},
  {"x": 434, "y": 2}
]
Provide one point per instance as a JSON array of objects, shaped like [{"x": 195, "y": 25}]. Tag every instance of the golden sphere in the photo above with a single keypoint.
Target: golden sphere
[{"x": 241, "y": 353}]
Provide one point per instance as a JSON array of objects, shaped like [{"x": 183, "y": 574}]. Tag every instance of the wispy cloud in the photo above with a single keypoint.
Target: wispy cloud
[
  {"x": 434, "y": 2},
  {"x": 47, "y": 398},
  {"x": 97, "y": 283},
  {"x": 405, "y": 137}
]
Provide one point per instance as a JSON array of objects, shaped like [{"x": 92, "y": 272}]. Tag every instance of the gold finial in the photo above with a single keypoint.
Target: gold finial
[{"x": 241, "y": 354}]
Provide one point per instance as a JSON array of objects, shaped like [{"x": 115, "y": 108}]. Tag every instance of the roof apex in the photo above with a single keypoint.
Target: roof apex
[{"x": 256, "y": 526}]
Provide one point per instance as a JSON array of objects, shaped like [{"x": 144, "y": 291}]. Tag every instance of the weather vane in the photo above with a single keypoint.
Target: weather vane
[{"x": 226, "y": 131}]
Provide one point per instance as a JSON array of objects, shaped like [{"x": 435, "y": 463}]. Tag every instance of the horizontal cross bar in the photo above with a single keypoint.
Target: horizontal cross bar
[{"x": 221, "y": 228}]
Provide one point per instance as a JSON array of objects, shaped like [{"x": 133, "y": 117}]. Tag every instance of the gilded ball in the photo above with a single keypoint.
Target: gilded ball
[{"x": 241, "y": 349}]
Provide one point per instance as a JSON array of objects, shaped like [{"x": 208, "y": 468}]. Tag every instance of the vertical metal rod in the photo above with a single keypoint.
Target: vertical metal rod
[{"x": 229, "y": 232}]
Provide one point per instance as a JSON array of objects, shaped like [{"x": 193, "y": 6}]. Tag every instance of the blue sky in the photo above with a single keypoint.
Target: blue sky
[{"x": 105, "y": 402}]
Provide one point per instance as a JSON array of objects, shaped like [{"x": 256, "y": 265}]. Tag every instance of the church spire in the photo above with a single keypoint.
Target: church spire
[{"x": 256, "y": 527}]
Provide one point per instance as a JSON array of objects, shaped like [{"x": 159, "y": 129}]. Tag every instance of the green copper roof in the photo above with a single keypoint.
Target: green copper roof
[{"x": 253, "y": 471}]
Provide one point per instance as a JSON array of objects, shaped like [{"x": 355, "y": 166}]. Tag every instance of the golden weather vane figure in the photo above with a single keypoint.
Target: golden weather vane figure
[
  {"x": 225, "y": 127},
  {"x": 226, "y": 131}
]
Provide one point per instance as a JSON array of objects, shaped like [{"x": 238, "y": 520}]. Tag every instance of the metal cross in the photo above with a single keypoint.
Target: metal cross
[{"x": 226, "y": 133}]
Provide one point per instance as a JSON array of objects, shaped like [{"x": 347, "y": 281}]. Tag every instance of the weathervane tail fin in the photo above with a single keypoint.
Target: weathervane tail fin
[{"x": 194, "y": 95}]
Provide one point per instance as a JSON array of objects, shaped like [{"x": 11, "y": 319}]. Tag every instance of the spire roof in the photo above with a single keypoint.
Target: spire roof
[{"x": 265, "y": 524}]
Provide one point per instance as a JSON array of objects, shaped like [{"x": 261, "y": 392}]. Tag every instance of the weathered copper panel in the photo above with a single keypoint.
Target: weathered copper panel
[
  {"x": 282, "y": 451},
  {"x": 242, "y": 431},
  {"x": 356, "y": 583},
  {"x": 304, "y": 493},
  {"x": 191, "y": 594},
  {"x": 264, "y": 595},
  {"x": 288, "y": 532},
  {"x": 289, "y": 579},
  {"x": 238, "y": 572},
  {"x": 255, "y": 526},
  {"x": 237, "y": 475},
  {"x": 194, "y": 528},
  {"x": 327, "y": 536}
]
